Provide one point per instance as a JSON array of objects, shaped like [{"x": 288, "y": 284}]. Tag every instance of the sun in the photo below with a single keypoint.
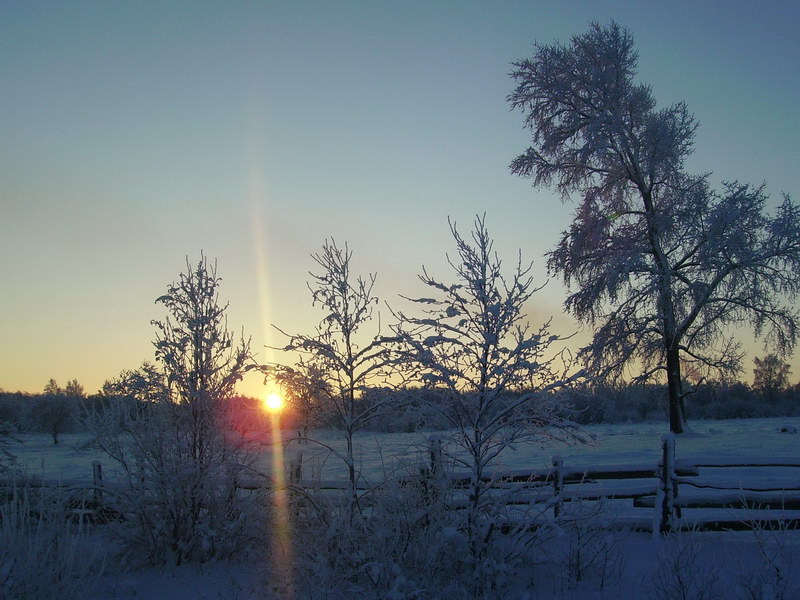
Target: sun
[{"x": 273, "y": 402}]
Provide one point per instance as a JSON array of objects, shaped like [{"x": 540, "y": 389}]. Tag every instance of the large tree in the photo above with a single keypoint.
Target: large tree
[{"x": 662, "y": 265}]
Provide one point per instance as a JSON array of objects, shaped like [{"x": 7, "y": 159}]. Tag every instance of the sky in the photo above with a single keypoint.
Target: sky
[{"x": 134, "y": 135}]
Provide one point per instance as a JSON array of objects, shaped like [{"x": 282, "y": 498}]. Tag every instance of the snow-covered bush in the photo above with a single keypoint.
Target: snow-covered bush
[
  {"x": 42, "y": 555},
  {"x": 406, "y": 542},
  {"x": 771, "y": 573},
  {"x": 586, "y": 552},
  {"x": 687, "y": 568},
  {"x": 178, "y": 494},
  {"x": 8, "y": 460}
]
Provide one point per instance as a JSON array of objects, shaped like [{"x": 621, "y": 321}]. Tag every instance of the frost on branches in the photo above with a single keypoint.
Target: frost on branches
[
  {"x": 660, "y": 264},
  {"x": 342, "y": 360},
  {"x": 498, "y": 372},
  {"x": 178, "y": 471}
]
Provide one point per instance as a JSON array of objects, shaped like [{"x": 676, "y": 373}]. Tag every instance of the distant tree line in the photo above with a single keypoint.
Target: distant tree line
[
  {"x": 416, "y": 409},
  {"x": 59, "y": 410}
]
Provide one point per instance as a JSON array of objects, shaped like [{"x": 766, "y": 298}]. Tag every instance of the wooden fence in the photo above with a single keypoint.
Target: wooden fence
[
  {"x": 663, "y": 488},
  {"x": 671, "y": 489}
]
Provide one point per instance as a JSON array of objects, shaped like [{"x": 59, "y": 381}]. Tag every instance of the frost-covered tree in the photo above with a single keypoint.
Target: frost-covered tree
[
  {"x": 145, "y": 384},
  {"x": 177, "y": 467},
  {"x": 475, "y": 345},
  {"x": 346, "y": 357},
  {"x": 659, "y": 263},
  {"x": 201, "y": 358},
  {"x": 771, "y": 375}
]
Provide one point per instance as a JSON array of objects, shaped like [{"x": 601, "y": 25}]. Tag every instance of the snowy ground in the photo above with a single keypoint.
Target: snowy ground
[
  {"x": 695, "y": 565},
  {"x": 379, "y": 453}
]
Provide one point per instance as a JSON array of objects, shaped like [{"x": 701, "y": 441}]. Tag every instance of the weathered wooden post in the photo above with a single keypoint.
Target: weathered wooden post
[
  {"x": 435, "y": 452},
  {"x": 432, "y": 481},
  {"x": 666, "y": 477},
  {"x": 296, "y": 470},
  {"x": 558, "y": 485},
  {"x": 97, "y": 481}
]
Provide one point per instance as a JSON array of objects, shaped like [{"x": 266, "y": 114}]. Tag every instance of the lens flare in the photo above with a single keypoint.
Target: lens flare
[
  {"x": 280, "y": 544},
  {"x": 274, "y": 403}
]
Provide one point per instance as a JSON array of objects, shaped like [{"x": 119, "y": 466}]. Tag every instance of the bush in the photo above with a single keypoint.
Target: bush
[
  {"x": 178, "y": 491},
  {"x": 42, "y": 555}
]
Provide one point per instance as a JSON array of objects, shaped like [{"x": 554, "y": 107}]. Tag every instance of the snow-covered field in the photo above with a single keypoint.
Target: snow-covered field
[
  {"x": 694, "y": 565},
  {"x": 379, "y": 453}
]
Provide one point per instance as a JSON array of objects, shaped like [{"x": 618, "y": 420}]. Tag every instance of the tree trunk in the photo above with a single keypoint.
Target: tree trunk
[{"x": 677, "y": 418}]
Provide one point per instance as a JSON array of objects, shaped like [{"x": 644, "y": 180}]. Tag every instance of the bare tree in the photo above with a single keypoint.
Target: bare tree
[
  {"x": 497, "y": 371},
  {"x": 53, "y": 414},
  {"x": 660, "y": 264},
  {"x": 346, "y": 358}
]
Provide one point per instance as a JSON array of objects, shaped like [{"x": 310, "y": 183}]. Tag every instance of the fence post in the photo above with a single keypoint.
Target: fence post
[
  {"x": 558, "y": 485},
  {"x": 97, "y": 480},
  {"x": 666, "y": 476},
  {"x": 296, "y": 470},
  {"x": 433, "y": 480},
  {"x": 435, "y": 452}
]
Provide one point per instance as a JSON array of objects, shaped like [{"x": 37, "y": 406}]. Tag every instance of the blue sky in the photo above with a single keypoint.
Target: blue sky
[{"x": 134, "y": 134}]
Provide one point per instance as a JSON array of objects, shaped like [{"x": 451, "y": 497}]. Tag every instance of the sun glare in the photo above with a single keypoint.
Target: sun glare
[{"x": 274, "y": 403}]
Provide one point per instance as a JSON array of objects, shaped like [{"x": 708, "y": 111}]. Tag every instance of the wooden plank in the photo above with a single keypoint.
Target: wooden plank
[
  {"x": 729, "y": 500},
  {"x": 755, "y": 462},
  {"x": 571, "y": 474},
  {"x": 777, "y": 524}
]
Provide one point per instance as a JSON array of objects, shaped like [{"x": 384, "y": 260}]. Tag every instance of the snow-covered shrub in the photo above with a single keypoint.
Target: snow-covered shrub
[
  {"x": 42, "y": 555},
  {"x": 770, "y": 574},
  {"x": 586, "y": 551},
  {"x": 177, "y": 490},
  {"x": 408, "y": 541},
  {"x": 687, "y": 568},
  {"x": 8, "y": 461}
]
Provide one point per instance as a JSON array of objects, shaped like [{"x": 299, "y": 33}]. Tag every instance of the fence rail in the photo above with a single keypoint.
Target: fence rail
[{"x": 661, "y": 488}]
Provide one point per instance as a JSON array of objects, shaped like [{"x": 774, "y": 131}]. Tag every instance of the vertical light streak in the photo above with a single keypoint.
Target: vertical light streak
[
  {"x": 281, "y": 557},
  {"x": 281, "y": 548},
  {"x": 257, "y": 191}
]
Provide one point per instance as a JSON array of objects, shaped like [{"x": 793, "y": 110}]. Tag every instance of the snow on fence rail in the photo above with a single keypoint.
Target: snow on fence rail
[{"x": 660, "y": 488}]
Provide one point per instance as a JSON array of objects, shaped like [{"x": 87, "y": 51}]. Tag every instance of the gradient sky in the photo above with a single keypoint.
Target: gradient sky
[{"x": 134, "y": 134}]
